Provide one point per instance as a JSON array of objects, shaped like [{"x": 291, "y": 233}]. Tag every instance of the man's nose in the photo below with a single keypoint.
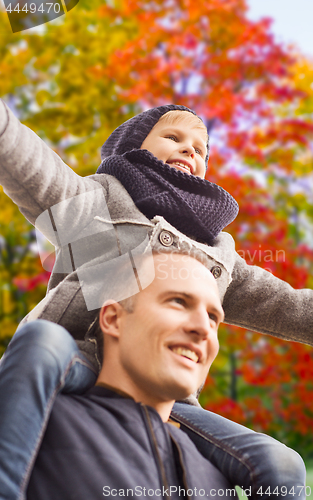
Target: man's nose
[{"x": 199, "y": 324}]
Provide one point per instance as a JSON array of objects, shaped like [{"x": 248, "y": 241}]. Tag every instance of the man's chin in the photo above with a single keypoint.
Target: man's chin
[
  {"x": 190, "y": 400},
  {"x": 185, "y": 394}
]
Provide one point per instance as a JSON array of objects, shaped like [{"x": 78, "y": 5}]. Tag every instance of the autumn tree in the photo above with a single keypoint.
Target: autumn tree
[{"x": 87, "y": 72}]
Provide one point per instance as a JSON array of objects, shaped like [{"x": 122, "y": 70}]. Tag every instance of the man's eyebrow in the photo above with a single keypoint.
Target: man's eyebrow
[
  {"x": 178, "y": 292},
  {"x": 212, "y": 309}
]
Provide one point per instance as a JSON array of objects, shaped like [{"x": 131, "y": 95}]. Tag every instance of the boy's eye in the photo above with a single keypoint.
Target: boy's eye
[
  {"x": 172, "y": 137},
  {"x": 199, "y": 151}
]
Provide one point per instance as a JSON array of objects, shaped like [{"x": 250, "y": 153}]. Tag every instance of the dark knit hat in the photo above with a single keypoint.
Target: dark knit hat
[{"x": 131, "y": 134}]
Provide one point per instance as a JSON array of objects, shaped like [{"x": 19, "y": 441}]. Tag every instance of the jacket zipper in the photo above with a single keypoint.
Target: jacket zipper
[
  {"x": 156, "y": 449},
  {"x": 182, "y": 465}
]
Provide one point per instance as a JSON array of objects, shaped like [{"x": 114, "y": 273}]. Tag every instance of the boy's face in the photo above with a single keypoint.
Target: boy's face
[{"x": 181, "y": 145}]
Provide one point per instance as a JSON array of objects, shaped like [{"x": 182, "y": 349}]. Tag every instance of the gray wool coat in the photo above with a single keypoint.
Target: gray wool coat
[{"x": 93, "y": 222}]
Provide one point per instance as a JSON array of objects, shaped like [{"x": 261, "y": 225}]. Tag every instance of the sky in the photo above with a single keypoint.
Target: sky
[{"x": 293, "y": 20}]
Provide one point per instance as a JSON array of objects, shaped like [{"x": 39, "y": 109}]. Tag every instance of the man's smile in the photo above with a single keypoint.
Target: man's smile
[{"x": 187, "y": 352}]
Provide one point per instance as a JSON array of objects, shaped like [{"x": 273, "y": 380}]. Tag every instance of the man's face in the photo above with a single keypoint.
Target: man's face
[
  {"x": 181, "y": 145},
  {"x": 167, "y": 344}
]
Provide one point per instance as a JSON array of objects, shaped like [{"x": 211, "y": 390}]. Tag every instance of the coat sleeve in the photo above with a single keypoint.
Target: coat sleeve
[
  {"x": 258, "y": 301},
  {"x": 33, "y": 175}
]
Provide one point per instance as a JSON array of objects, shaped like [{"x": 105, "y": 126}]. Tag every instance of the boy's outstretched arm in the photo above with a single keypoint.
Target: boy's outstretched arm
[
  {"x": 257, "y": 300},
  {"x": 33, "y": 175}
]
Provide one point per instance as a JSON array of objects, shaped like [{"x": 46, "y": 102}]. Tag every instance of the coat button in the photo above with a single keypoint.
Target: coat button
[
  {"x": 166, "y": 238},
  {"x": 216, "y": 271}
]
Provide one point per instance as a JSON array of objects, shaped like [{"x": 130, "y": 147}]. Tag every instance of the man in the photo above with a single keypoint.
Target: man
[{"x": 115, "y": 440}]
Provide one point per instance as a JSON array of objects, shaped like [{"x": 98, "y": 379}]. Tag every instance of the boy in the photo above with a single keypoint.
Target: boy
[{"x": 138, "y": 201}]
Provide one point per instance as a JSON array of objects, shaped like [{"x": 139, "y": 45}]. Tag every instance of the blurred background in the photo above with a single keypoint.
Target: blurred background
[
  {"x": 291, "y": 22},
  {"x": 250, "y": 78}
]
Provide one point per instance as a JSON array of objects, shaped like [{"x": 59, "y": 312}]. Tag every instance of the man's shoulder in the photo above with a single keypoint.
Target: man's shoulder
[{"x": 99, "y": 414}]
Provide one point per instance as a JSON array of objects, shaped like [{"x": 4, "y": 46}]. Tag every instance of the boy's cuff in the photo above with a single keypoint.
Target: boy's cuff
[{"x": 4, "y": 117}]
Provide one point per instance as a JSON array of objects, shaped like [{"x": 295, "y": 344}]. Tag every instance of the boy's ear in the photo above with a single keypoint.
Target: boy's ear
[{"x": 109, "y": 316}]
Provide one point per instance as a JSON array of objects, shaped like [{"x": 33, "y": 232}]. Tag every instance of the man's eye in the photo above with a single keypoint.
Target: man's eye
[
  {"x": 213, "y": 317},
  {"x": 179, "y": 300}
]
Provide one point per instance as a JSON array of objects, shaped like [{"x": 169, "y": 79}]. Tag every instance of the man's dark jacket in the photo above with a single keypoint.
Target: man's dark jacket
[{"x": 103, "y": 444}]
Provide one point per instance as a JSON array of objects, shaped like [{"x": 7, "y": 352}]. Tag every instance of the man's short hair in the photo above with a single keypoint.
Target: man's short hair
[{"x": 123, "y": 285}]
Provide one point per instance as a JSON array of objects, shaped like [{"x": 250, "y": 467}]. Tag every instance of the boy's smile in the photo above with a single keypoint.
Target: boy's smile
[
  {"x": 183, "y": 165},
  {"x": 181, "y": 145}
]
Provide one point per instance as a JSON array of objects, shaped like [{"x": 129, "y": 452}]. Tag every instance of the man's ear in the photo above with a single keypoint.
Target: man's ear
[{"x": 109, "y": 316}]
